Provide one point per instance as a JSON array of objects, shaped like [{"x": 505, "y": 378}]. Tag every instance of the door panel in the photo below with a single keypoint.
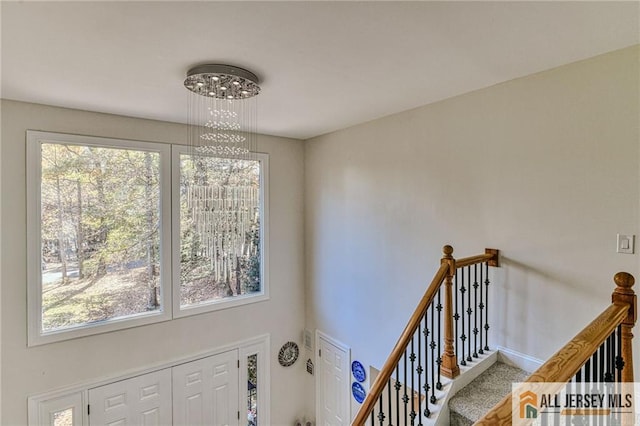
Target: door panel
[
  {"x": 205, "y": 392},
  {"x": 142, "y": 400},
  {"x": 333, "y": 398}
]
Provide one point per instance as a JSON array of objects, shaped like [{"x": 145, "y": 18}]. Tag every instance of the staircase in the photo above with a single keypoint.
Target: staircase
[{"x": 477, "y": 398}]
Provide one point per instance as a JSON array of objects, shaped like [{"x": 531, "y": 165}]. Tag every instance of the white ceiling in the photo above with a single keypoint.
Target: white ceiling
[{"x": 323, "y": 65}]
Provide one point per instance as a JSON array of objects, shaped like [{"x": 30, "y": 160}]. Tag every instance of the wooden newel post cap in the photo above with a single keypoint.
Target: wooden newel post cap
[
  {"x": 624, "y": 281},
  {"x": 447, "y": 251}
]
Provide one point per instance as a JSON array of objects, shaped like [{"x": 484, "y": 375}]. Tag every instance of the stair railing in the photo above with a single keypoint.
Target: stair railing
[
  {"x": 429, "y": 347},
  {"x": 601, "y": 352}
]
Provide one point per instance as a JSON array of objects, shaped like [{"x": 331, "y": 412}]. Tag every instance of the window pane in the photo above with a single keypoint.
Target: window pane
[
  {"x": 252, "y": 390},
  {"x": 219, "y": 229},
  {"x": 99, "y": 234},
  {"x": 63, "y": 418}
]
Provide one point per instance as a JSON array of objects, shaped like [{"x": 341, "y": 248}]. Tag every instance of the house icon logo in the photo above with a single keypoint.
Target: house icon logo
[{"x": 528, "y": 405}]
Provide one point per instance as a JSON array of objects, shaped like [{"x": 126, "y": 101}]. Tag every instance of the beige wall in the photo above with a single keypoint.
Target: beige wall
[
  {"x": 26, "y": 371},
  {"x": 545, "y": 168}
]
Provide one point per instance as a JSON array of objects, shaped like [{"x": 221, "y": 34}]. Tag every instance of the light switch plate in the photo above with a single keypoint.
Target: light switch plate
[{"x": 626, "y": 243}]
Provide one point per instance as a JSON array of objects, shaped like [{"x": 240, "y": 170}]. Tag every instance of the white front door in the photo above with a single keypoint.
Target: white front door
[
  {"x": 332, "y": 386},
  {"x": 143, "y": 400},
  {"x": 205, "y": 392}
]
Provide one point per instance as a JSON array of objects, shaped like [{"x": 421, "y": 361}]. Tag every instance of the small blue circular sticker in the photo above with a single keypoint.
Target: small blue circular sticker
[
  {"x": 358, "y": 392},
  {"x": 358, "y": 371}
]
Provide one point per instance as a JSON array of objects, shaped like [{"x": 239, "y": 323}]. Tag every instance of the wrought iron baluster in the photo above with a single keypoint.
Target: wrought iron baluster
[
  {"x": 426, "y": 387},
  {"x": 463, "y": 337},
  {"x": 419, "y": 369},
  {"x": 405, "y": 397},
  {"x": 619, "y": 359},
  {"x": 389, "y": 401},
  {"x": 486, "y": 306},
  {"x": 456, "y": 316},
  {"x": 432, "y": 346},
  {"x": 373, "y": 417},
  {"x": 412, "y": 358},
  {"x": 602, "y": 359},
  {"x": 381, "y": 415},
  {"x": 397, "y": 387},
  {"x": 608, "y": 376},
  {"x": 587, "y": 371},
  {"x": 439, "y": 351},
  {"x": 475, "y": 311},
  {"x": 469, "y": 312},
  {"x": 481, "y": 307}
]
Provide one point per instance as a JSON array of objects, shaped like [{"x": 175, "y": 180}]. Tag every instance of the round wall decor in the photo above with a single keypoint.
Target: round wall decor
[
  {"x": 358, "y": 392},
  {"x": 288, "y": 354},
  {"x": 357, "y": 369}
]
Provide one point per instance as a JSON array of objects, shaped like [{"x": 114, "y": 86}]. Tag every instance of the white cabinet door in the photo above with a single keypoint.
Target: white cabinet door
[
  {"x": 205, "y": 392},
  {"x": 143, "y": 400}
]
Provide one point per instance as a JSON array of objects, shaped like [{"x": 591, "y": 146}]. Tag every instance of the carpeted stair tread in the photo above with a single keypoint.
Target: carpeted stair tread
[{"x": 479, "y": 396}]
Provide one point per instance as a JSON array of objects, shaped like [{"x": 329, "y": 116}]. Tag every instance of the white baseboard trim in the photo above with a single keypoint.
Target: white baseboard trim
[{"x": 518, "y": 359}]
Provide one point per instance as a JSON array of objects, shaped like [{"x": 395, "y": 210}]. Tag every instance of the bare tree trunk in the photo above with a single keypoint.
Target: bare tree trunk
[
  {"x": 79, "y": 234},
  {"x": 151, "y": 248},
  {"x": 238, "y": 287},
  {"x": 61, "y": 244},
  {"x": 102, "y": 239}
]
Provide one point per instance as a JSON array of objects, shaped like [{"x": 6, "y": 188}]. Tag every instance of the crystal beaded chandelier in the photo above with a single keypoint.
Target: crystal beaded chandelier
[{"x": 222, "y": 114}]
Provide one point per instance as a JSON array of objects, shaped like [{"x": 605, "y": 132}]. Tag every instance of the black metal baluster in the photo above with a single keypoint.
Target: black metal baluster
[
  {"x": 412, "y": 358},
  {"x": 397, "y": 387},
  {"x": 463, "y": 337},
  {"x": 419, "y": 369},
  {"x": 456, "y": 316},
  {"x": 613, "y": 356},
  {"x": 380, "y": 412},
  {"x": 481, "y": 307},
  {"x": 486, "y": 306},
  {"x": 587, "y": 371},
  {"x": 608, "y": 376},
  {"x": 405, "y": 397},
  {"x": 390, "y": 412},
  {"x": 619, "y": 359},
  {"x": 469, "y": 312},
  {"x": 432, "y": 346},
  {"x": 427, "y": 411},
  {"x": 602, "y": 359},
  {"x": 439, "y": 351},
  {"x": 373, "y": 417},
  {"x": 475, "y": 311}
]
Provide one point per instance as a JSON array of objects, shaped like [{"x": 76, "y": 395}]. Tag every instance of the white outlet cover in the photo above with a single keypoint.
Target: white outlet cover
[{"x": 626, "y": 243}]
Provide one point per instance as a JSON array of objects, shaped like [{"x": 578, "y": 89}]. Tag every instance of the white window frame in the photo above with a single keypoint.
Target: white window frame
[
  {"x": 34, "y": 273},
  {"x": 214, "y": 305}
]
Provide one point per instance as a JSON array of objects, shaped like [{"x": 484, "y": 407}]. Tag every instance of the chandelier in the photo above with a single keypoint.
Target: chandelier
[{"x": 222, "y": 114}]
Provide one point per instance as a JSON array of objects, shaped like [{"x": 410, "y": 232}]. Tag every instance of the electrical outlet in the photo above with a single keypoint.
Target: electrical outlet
[{"x": 626, "y": 243}]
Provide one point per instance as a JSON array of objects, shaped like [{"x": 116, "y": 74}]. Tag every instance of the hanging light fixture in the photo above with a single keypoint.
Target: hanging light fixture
[{"x": 222, "y": 113}]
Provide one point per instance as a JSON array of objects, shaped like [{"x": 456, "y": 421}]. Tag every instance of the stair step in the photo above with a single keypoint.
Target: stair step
[{"x": 475, "y": 399}]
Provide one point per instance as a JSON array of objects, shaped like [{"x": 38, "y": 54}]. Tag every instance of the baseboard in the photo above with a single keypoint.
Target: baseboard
[{"x": 518, "y": 359}]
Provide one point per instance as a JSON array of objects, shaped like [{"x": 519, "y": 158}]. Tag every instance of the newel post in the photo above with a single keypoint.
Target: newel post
[
  {"x": 624, "y": 294},
  {"x": 449, "y": 367}
]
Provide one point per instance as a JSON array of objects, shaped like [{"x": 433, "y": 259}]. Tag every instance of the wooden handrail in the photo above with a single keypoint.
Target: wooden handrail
[
  {"x": 490, "y": 255},
  {"x": 398, "y": 350},
  {"x": 565, "y": 363}
]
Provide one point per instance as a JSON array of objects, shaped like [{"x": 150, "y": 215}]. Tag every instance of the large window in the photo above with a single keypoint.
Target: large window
[
  {"x": 100, "y": 224},
  {"x": 219, "y": 211}
]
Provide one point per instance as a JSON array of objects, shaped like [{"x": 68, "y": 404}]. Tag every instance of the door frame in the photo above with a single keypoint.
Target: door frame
[{"x": 347, "y": 351}]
